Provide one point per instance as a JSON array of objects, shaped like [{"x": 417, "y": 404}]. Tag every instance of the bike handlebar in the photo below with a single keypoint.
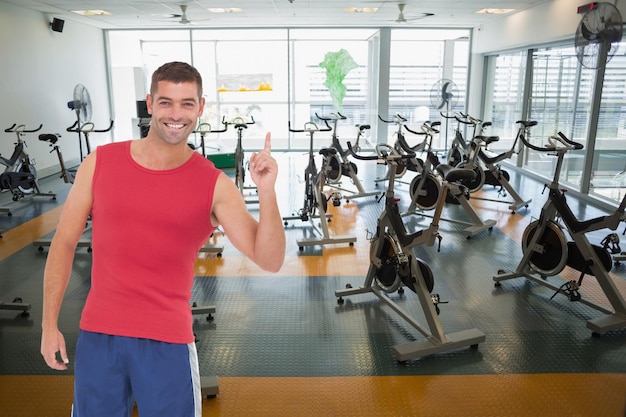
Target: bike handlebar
[
  {"x": 308, "y": 127},
  {"x": 467, "y": 119},
  {"x": 408, "y": 129},
  {"x": 238, "y": 122},
  {"x": 427, "y": 128},
  {"x": 200, "y": 128},
  {"x": 551, "y": 146},
  {"x": 397, "y": 118},
  {"x": 332, "y": 116},
  {"x": 21, "y": 128},
  {"x": 381, "y": 154},
  {"x": 361, "y": 157},
  {"x": 527, "y": 123},
  {"x": 448, "y": 115},
  {"x": 88, "y": 127}
]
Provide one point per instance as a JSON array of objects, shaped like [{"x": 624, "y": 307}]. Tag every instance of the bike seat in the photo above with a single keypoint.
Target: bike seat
[
  {"x": 488, "y": 139},
  {"x": 528, "y": 123},
  {"x": 452, "y": 174},
  {"x": 328, "y": 151},
  {"x": 48, "y": 137}
]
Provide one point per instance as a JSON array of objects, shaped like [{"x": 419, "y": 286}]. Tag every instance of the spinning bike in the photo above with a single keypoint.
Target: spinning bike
[
  {"x": 20, "y": 175},
  {"x": 340, "y": 162},
  {"x": 426, "y": 191},
  {"x": 209, "y": 385},
  {"x": 402, "y": 165},
  {"x": 393, "y": 265},
  {"x": 494, "y": 174},
  {"x": 83, "y": 130},
  {"x": 459, "y": 148},
  {"x": 67, "y": 174},
  {"x": 240, "y": 170},
  {"x": 203, "y": 129},
  {"x": 314, "y": 198},
  {"x": 547, "y": 250}
]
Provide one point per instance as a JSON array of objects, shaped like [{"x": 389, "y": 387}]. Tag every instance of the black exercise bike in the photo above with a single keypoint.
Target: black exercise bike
[
  {"x": 315, "y": 201},
  {"x": 340, "y": 163},
  {"x": 394, "y": 265},
  {"x": 547, "y": 249}
]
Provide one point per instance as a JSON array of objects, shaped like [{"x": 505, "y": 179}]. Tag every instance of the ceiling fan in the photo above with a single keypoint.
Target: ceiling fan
[
  {"x": 182, "y": 16},
  {"x": 403, "y": 19}
]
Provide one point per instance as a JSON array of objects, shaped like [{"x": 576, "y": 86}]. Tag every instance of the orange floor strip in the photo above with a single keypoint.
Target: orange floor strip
[
  {"x": 554, "y": 395},
  {"x": 23, "y": 235}
]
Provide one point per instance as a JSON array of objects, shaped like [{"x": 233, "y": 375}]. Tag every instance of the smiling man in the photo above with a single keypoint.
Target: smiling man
[{"x": 136, "y": 341}]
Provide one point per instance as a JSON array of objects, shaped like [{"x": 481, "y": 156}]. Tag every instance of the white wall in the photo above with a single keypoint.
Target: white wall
[
  {"x": 549, "y": 22},
  {"x": 39, "y": 72}
]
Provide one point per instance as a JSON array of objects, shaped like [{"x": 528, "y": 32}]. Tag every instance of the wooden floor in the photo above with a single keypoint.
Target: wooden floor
[{"x": 282, "y": 346}]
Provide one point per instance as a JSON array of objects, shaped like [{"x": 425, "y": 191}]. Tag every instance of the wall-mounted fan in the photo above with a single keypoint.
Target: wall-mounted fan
[
  {"x": 404, "y": 19},
  {"x": 598, "y": 35}
]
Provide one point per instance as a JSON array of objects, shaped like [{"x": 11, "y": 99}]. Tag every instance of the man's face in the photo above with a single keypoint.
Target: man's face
[{"x": 175, "y": 109}]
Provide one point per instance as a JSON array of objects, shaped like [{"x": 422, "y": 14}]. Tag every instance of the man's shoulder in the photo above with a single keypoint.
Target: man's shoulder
[{"x": 120, "y": 146}]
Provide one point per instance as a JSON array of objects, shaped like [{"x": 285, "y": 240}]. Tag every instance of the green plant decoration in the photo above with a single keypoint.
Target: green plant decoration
[{"x": 337, "y": 66}]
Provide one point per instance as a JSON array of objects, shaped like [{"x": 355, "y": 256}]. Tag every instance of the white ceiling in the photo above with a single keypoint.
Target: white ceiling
[{"x": 130, "y": 14}]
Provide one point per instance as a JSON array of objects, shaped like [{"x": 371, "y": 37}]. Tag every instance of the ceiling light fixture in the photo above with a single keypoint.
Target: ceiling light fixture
[
  {"x": 361, "y": 9},
  {"x": 92, "y": 12},
  {"x": 225, "y": 10},
  {"x": 495, "y": 11}
]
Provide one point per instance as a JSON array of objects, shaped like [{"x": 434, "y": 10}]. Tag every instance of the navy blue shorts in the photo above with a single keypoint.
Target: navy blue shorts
[{"x": 111, "y": 373}]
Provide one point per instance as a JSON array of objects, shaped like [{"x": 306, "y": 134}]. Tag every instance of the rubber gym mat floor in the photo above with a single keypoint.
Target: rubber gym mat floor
[{"x": 282, "y": 345}]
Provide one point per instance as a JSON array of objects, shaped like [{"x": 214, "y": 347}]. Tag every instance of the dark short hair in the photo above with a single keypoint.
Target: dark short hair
[{"x": 176, "y": 72}]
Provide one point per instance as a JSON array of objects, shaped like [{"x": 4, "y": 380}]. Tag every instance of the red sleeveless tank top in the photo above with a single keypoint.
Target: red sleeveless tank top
[{"x": 147, "y": 229}]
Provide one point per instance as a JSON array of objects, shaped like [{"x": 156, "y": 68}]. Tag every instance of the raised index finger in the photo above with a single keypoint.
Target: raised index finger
[{"x": 268, "y": 140}]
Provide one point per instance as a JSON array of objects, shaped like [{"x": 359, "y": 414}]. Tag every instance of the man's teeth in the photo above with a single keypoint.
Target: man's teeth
[{"x": 173, "y": 126}]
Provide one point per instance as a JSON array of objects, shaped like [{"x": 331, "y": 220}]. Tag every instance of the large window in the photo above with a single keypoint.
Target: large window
[
  {"x": 422, "y": 71},
  {"x": 133, "y": 56},
  {"x": 563, "y": 97},
  {"x": 608, "y": 176},
  {"x": 504, "y": 104},
  {"x": 282, "y": 76},
  {"x": 245, "y": 78},
  {"x": 560, "y": 102},
  {"x": 330, "y": 74}
]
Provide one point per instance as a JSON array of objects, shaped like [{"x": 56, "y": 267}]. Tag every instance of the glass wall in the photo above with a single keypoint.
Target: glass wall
[
  {"x": 329, "y": 73},
  {"x": 245, "y": 79},
  {"x": 608, "y": 175},
  {"x": 278, "y": 77},
  {"x": 133, "y": 56},
  {"x": 563, "y": 97},
  {"x": 422, "y": 72},
  {"x": 560, "y": 101},
  {"x": 505, "y": 105}
]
